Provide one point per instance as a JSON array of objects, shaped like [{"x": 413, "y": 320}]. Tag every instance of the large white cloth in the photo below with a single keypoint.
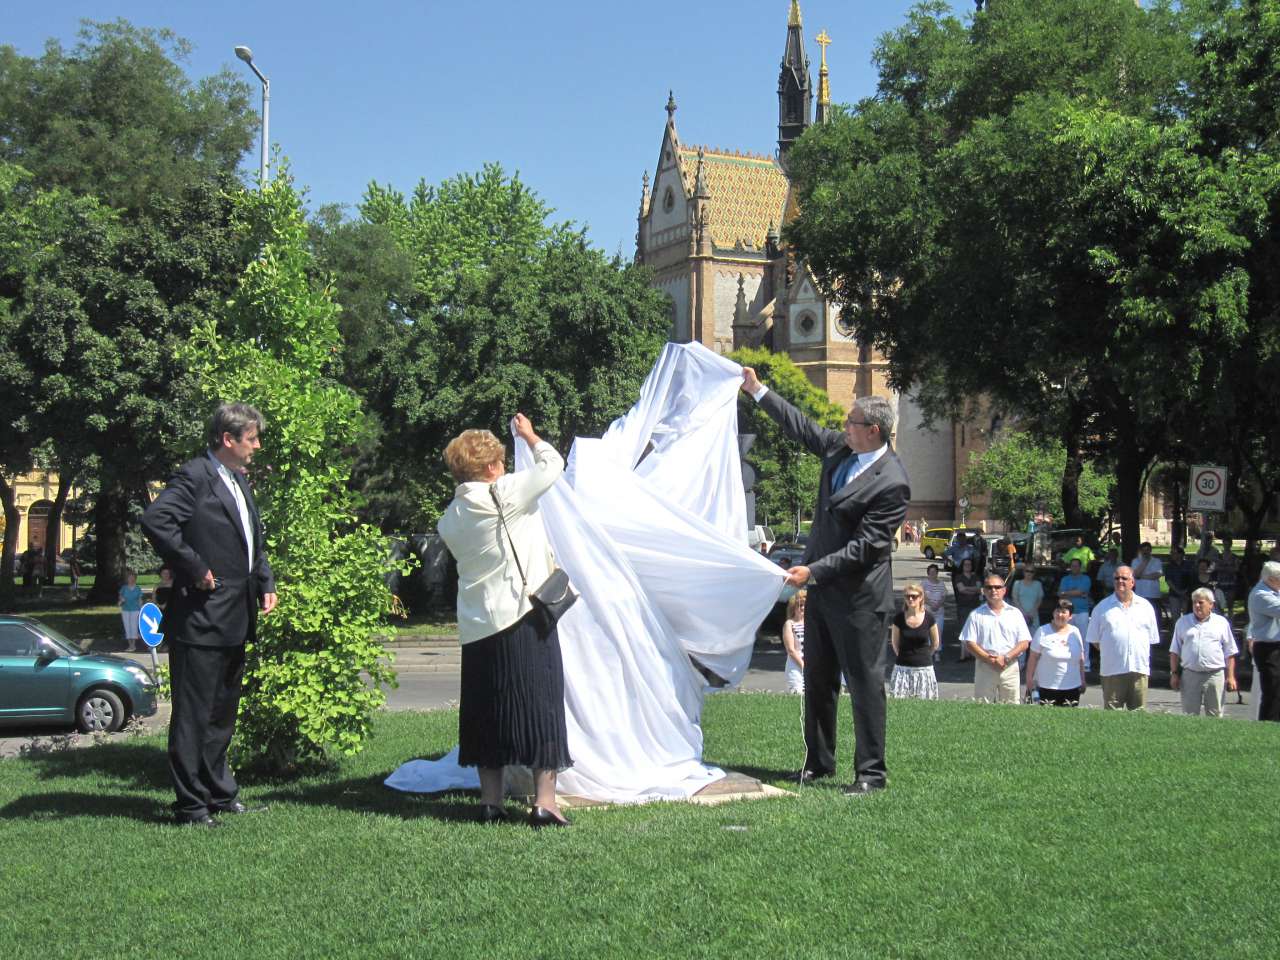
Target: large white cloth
[{"x": 649, "y": 521}]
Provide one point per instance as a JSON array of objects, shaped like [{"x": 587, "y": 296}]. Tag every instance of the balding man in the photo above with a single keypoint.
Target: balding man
[
  {"x": 1123, "y": 628},
  {"x": 862, "y": 500},
  {"x": 1264, "y": 639}
]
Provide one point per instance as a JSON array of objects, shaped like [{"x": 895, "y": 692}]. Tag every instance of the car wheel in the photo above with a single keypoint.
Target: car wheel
[
  {"x": 928, "y": 553},
  {"x": 99, "y": 711}
]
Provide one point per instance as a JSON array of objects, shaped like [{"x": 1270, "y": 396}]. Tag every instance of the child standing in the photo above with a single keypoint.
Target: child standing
[
  {"x": 130, "y": 606},
  {"x": 793, "y": 641}
]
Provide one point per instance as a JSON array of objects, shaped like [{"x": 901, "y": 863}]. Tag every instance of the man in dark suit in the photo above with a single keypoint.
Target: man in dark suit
[
  {"x": 862, "y": 500},
  {"x": 205, "y": 527}
]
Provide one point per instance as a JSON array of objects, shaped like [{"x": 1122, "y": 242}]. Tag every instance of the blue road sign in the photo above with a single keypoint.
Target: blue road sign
[{"x": 149, "y": 625}]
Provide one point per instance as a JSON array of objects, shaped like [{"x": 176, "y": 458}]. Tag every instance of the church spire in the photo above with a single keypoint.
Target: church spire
[
  {"x": 795, "y": 93},
  {"x": 824, "y": 88}
]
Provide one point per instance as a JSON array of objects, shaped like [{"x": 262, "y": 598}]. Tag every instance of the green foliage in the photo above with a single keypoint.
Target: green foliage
[
  {"x": 786, "y": 474},
  {"x": 504, "y": 313},
  {"x": 1023, "y": 476},
  {"x": 273, "y": 346}
]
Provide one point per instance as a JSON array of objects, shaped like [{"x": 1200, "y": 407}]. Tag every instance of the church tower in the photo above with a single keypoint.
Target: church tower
[{"x": 795, "y": 93}]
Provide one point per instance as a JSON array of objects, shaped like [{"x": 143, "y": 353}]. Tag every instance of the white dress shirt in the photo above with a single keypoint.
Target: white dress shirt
[
  {"x": 1264, "y": 613},
  {"x": 1124, "y": 635},
  {"x": 1203, "y": 645},
  {"x": 1147, "y": 584},
  {"x": 996, "y": 633},
  {"x": 246, "y": 522},
  {"x": 490, "y": 594}
]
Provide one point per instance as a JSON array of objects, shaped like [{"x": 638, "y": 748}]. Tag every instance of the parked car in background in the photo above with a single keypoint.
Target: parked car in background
[
  {"x": 786, "y": 554},
  {"x": 45, "y": 678},
  {"x": 935, "y": 541},
  {"x": 964, "y": 537},
  {"x": 760, "y": 538}
]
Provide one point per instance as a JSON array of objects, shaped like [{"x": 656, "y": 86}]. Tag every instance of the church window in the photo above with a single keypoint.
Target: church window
[
  {"x": 807, "y": 323},
  {"x": 668, "y": 200}
]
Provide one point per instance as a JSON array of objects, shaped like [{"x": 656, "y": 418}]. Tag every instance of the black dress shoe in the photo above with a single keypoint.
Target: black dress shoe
[
  {"x": 806, "y": 777},
  {"x": 860, "y": 788},
  {"x": 540, "y": 817},
  {"x": 237, "y": 807},
  {"x": 492, "y": 814},
  {"x": 203, "y": 821}
]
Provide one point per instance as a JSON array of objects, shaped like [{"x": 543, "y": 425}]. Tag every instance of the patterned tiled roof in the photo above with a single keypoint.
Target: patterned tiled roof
[{"x": 747, "y": 194}]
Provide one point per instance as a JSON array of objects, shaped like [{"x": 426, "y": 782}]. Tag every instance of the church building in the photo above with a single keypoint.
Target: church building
[{"x": 709, "y": 227}]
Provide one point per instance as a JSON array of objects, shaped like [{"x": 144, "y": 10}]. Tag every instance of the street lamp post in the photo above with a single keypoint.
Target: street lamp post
[{"x": 245, "y": 54}]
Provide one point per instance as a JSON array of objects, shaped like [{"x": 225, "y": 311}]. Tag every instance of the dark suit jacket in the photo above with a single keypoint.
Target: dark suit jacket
[
  {"x": 195, "y": 527},
  {"x": 851, "y": 540}
]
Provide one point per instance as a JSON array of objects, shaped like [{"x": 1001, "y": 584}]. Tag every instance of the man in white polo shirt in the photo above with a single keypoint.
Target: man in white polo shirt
[
  {"x": 996, "y": 634},
  {"x": 1123, "y": 628},
  {"x": 1202, "y": 655}
]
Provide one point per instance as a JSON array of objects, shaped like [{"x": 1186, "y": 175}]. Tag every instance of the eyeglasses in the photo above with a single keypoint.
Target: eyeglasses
[
  {"x": 993, "y": 586},
  {"x": 1124, "y": 579},
  {"x": 913, "y": 596},
  {"x": 858, "y": 423}
]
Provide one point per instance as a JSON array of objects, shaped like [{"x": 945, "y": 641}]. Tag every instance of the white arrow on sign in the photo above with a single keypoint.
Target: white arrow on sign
[{"x": 152, "y": 625}]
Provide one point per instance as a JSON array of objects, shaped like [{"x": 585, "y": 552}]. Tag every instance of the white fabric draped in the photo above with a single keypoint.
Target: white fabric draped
[{"x": 649, "y": 521}]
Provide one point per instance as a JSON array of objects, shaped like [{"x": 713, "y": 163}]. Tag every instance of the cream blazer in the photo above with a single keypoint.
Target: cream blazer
[{"x": 490, "y": 595}]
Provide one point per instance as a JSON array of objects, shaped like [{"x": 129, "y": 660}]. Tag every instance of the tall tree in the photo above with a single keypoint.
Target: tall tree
[
  {"x": 116, "y": 123},
  {"x": 1022, "y": 213}
]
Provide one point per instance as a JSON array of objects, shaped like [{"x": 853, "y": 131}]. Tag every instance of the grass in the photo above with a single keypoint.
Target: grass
[{"x": 1007, "y": 831}]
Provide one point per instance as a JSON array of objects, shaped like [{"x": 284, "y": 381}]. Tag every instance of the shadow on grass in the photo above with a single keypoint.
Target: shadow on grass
[
  {"x": 135, "y": 765},
  {"x": 763, "y": 774},
  {"x": 62, "y": 805},
  {"x": 369, "y": 795}
]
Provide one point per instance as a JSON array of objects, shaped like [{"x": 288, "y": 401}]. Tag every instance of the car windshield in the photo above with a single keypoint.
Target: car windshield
[{"x": 64, "y": 645}]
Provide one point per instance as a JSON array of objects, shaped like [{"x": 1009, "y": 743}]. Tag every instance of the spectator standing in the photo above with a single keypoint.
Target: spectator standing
[
  {"x": 1075, "y": 587},
  {"x": 997, "y": 635},
  {"x": 1028, "y": 594},
  {"x": 1264, "y": 639},
  {"x": 1123, "y": 628},
  {"x": 1204, "y": 578},
  {"x": 130, "y": 601},
  {"x": 1079, "y": 551},
  {"x": 1056, "y": 665},
  {"x": 935, "y": 601},
  {"x": 968, "y": 591},
  {"x": 164, "y": 590},
  {"x": 1202, "y": 656},
  {"x": 793, "y": 641},
  {"x": 1226, "y": 571},
  {"x": 915, "y": 639},
  {"x": 73, "y": 569},
  {"x": 1147, "y": 571},
  {"x": 1104, "y": 578}
]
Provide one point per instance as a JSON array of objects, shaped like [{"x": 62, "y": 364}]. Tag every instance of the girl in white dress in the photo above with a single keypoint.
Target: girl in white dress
[{"x": 793, "y": 641}]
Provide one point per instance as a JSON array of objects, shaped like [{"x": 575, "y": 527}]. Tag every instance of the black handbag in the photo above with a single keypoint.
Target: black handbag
[{"x": 553, "y": 598}]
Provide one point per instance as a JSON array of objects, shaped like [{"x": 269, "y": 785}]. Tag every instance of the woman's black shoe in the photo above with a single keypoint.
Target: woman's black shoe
[
  {"x": 542, "y": 817},
  {"x": 491, "y": 814}
]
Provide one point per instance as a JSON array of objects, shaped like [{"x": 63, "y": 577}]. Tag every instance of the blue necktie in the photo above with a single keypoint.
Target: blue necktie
[{"x": 843, "y": 472}]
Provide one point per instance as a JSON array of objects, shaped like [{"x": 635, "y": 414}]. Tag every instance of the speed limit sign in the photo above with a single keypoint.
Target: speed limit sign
[{"x": 1208, "y": 488}]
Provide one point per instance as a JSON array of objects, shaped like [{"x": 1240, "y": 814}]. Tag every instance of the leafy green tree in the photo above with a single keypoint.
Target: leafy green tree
[
  {"x": 132, "y": 160},
  {"x": 274, "y": 346},
  {"x": 786, "y": 474},
  {"x": 1023, "y": 475},
  {"x": 505, "y": 312},
  {"x": 1024, "y": 213}
]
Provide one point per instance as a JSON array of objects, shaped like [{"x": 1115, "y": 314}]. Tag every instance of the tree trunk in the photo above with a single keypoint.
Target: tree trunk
[
  {"x": 110, "y": 522},
  {"x": 65, "y": 480},
  {"x": 1071, "y": 514},
  {"x": 1128, "y": 488},
  {"x": 12, "y": 521},
  {"x": 1179, "y": 513}
]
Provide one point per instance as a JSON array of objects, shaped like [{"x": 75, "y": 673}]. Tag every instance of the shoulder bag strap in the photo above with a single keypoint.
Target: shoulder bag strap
[{"x": 493, "y": 492}]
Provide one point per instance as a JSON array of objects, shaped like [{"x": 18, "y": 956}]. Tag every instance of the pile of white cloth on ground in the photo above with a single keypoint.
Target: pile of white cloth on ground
[{"x": 649, "y": 521}]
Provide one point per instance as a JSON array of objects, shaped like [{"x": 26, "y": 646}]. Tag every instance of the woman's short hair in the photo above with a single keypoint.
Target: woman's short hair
[
  {"x": 797, "y": 598},
  {"x": 1271, "y": 570},
  {"x": 932, "y": 566},
  {"x": 470, "y": 453},
  {"x": 235, "y": 419},
  {"x": 1064, "y": 605},
  {"x": 1203, "y": 593}
]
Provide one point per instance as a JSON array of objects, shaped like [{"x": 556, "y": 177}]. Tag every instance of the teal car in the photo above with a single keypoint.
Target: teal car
[{"x": 45, "y": 678}]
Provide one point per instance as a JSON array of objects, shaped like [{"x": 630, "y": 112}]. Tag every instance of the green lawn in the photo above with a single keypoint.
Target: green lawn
[{"x": 1007, "y": 831}]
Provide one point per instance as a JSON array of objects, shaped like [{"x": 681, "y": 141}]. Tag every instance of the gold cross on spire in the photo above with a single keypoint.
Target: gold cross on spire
[{"x": 822, "y": 40}]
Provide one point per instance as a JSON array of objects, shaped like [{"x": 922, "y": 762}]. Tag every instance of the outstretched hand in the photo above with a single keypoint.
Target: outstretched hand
[
  {"x": 523, "y": 428},
  {"x": 750, "y": 382}
]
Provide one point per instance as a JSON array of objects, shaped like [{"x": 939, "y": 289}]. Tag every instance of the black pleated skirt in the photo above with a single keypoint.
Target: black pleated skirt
[{"x": 512, "y": 706}]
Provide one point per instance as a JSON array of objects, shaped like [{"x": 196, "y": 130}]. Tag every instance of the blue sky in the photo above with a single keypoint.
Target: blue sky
[{"x": 570, "y": 94}]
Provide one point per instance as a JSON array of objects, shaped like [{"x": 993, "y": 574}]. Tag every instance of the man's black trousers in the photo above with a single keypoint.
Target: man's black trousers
[{"x": 206, "y": 695}]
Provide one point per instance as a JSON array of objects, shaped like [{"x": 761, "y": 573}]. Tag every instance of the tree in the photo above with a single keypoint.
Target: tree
[
  {"x": 1022, "y": 213},
  {"x": 1023, "y": 475},
  {"x": 132, "y": 160},
  {"x": 787, "y": 475},
  {"x": 505, "y": 312},
  {"x": 275, "y": 346}
]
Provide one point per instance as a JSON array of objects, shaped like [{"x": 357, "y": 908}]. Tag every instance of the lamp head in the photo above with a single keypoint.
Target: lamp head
[{"x": 245, "y": 54}]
